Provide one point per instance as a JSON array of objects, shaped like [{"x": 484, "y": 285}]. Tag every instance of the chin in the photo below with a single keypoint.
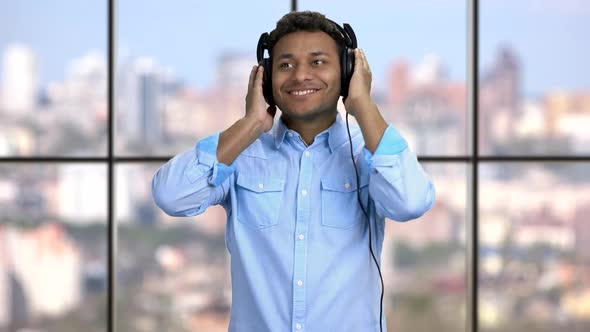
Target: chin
[{"x": 307, "y": 114}]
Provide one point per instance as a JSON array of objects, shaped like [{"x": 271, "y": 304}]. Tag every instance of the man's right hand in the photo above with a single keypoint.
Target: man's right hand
[{"x": 256, "y": 109}]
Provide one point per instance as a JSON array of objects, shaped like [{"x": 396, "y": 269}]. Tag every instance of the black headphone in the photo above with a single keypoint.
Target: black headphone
[{"x": 346, "y": 61}]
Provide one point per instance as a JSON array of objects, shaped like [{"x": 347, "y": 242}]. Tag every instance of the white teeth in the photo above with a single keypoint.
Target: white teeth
[{"x": 301, "y": 93}]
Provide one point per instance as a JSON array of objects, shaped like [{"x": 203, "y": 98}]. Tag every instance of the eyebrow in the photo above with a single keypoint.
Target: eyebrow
[{"x": 290, "y": 56}]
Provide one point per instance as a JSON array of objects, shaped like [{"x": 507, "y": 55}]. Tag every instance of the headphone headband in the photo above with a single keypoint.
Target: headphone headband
[
  {"x": 347, "y": 33},
  {"x": 263, "y": 44}
]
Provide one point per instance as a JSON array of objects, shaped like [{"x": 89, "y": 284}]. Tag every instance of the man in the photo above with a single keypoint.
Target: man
[{"x": 297, "y": 235}]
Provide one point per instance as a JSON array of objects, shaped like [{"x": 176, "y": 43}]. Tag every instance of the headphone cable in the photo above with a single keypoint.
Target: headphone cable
[{"x": 369, "y": 221}]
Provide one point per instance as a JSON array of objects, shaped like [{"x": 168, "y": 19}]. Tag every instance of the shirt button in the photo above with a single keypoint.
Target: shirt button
[
  {"x": 347, "y": 185},
  {"x": 260, "y": 185},
  {"x": 301, "y": 236},
  {"x": 298, "y": 326},
  {"x": 306, "y": 153},
  {"x": 299, "y": 283},
  {"x": 304, "y": 192},
  {"x": 290, "y": 134}
]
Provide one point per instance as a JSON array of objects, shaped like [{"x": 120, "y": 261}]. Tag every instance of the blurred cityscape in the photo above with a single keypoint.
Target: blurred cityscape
[
  {"x": 173, "y": 273},
  {"x": 157, "y": 114}
]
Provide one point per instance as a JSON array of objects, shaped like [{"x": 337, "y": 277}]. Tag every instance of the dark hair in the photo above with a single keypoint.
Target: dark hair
[{"x": 304, "y": 21}]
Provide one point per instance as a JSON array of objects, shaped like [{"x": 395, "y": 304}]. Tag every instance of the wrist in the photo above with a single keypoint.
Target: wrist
[
  {"x": 254, "y": 126},
  {"x": 357, "y": 104}
]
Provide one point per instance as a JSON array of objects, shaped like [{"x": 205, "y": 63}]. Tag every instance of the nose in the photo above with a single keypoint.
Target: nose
[{"x": 302, "y": 73}]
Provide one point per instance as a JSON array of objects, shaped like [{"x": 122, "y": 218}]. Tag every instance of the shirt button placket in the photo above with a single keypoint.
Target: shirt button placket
[{"x": 301, "y": 226}]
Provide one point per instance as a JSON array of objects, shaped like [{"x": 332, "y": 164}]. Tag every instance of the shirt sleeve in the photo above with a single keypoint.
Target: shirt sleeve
[
  {"x": 398, "y": 184},
  {"x": 192, "y": 181}
]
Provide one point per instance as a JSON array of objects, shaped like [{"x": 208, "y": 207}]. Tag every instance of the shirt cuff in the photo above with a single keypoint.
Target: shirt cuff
[
  {"x": 392, "y": 143},
  {"x": 207, "y": 155}
]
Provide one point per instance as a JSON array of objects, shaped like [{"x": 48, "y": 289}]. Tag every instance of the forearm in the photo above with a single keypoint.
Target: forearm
[
  {"x": 236, "y": 139},
  {"x": 370, "y": 121}
]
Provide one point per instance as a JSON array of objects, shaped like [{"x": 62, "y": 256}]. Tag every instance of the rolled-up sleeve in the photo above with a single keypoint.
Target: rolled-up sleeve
[
  {"x": 398, "y": 184},
  {"x": 193, "y": 180}
]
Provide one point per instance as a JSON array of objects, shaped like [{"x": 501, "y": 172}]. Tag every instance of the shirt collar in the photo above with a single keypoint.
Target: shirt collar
[{"x": 337, "y": 133}]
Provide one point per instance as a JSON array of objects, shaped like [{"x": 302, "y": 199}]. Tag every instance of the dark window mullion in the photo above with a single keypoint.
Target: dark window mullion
[
  {"x": 473, "y": 233},
  {"x": 111, "y": 229}
]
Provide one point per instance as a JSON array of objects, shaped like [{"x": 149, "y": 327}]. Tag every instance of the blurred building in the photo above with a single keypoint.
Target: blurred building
[
  {"x": 233, "y": 70},
  {"x": 542, "y": 226},
  {"x": 568, "y": 114},
  {"x": 227, "y": 98},
  {"x": 426, "y": 107},
  {"x": 399, "y": 83},
  {"x": 82, "y": 193},
  {"x": 16, "y": 139},
  {"x": 500, "y": 98},
  {"x": 582, "y": 233},
  {"x": 19, "y": 80},
  {"x": 504, "y": 77},
  {"x": 5, "y": 293},
  {"x": 187, "y": 117},
  {"x": 140, "y": 100},
  {"x": 82, "y": 98},
  {"x": 25, "y": 256},
  {"x": 429, "y": 72}
]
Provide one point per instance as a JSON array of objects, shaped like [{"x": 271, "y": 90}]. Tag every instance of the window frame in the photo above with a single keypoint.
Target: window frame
[{"x": 472, "y": 160}]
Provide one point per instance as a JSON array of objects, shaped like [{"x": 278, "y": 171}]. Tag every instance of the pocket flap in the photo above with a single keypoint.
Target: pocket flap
[
  {"x": 344, "y": 183},
  {"x": 260, "y": 184}
]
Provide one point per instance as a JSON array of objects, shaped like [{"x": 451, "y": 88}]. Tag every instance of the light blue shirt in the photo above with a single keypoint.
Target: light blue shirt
[{"x": 297, "y": 237}]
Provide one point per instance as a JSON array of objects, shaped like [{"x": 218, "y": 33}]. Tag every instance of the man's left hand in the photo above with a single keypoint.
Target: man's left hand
[{"x": 359, "y": 90}]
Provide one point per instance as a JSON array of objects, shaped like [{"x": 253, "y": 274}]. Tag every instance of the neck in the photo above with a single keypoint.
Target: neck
[{"x": 308, "y": 129}]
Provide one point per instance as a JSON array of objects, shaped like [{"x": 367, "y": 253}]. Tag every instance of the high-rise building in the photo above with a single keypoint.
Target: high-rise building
[
  {"x": 86, "y": 79},
  {"x": 19, "y": 80},
  {"x": 504, "y": 77},
  {"x": 399, "y": 83},
  {"x": 141, "y": 101},
  {"x": 500, "y": 102}
]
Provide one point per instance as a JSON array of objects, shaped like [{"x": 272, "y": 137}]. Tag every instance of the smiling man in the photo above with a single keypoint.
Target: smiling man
[{"x": 301, "y": 213}]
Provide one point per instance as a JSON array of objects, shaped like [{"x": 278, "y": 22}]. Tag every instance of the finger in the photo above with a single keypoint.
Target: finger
[
  {"x": 252, "y": 75},
  {"x": 258, "y": 77},
  {"x": 358, "y": 58},
  {"x": 364, "y": 61}
]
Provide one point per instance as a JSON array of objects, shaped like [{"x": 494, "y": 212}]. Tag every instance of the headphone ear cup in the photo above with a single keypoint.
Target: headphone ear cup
[
  {"x": 346, "y": 70},
  {"x": 267, "y": 81}
]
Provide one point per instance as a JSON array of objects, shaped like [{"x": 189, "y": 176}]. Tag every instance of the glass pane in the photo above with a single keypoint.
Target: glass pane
[
  {"x": 534, "y": 253},
  {"x": 173, "y": 273},
  {"x": 534, "y": 93},
  {"x": 182, "y": 72},
  {"x": 416, "y": 50},
  {"x": 53, "y": 248},
  {"x": 53, "y": 78},
  {"x": 424, "y": 260}
]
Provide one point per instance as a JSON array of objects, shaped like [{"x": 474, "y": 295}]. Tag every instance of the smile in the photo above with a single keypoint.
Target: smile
[{"x": 303, "y": 92}]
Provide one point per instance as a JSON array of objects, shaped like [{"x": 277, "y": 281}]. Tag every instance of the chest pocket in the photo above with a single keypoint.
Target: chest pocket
[
  {"x": 340, "y": 206},
  {"x": 259, "y": 200}
]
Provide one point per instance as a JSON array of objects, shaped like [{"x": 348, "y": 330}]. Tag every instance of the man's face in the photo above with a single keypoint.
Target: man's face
[{"x": 306, "y": 74}]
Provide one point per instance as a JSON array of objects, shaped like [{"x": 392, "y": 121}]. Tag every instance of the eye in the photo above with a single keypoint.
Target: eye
[
  {"x": 318, "y": 62},
  {"x": 285, "y": 65}
]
